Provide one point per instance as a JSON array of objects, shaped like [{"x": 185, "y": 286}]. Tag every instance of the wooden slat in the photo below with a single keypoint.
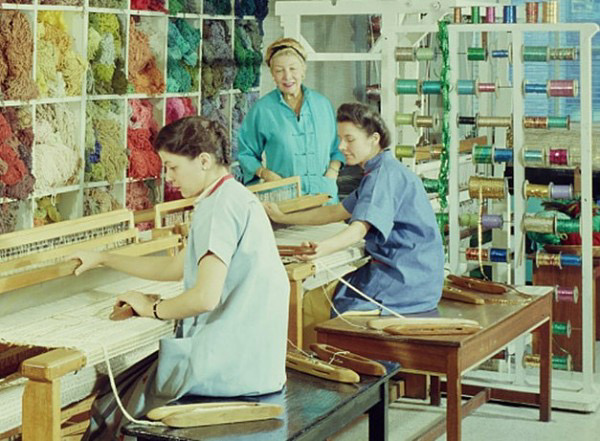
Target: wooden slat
[
  {"x": 64, "y": 228},
  {"x": 52, "y": 365},
  {"x": 64, "y": 251},
  {"x": 164, "y": 208},
  {"x": 303, "y": 202},
  {"x": 66, "y": 268},
  {"x": 293, "y": 180},
  {"x": 143, "y": 215}
]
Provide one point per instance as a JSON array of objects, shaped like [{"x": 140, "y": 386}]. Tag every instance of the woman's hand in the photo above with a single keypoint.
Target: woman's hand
[
  {"x": 331, "y": 174},
  {"x": 312, "y": 250},
  {"x": 273, "y": 211},
  {"x": 140, "y": 302},
  {"x": 268, "y": 176},
  {"x": 88, "y": 259}
]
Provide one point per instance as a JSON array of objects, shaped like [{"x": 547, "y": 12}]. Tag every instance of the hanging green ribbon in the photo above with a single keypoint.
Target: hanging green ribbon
[{"x": 445, "y": 88}]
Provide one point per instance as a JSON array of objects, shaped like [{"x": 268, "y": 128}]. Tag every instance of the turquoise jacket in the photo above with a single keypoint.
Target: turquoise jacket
[{"x": 293, "y": 146}]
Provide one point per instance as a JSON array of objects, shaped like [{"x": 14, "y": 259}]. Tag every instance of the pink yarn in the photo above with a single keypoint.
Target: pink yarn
[{"x": 177, "y": 108}]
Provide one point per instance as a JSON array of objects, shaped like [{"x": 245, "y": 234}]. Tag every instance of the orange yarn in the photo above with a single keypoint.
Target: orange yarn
[
  {"x": 16, "y": 169},
  {"x": 16, "y": 55},
  {"x": 142, "y": 68}
]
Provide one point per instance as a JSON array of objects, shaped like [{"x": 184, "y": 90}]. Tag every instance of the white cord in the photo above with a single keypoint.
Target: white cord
[{"x": 113, "y": 386}]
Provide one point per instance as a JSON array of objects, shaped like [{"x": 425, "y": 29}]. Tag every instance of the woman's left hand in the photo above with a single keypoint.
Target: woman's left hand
[
  {"x": 312, "y": 250},
  {"x": 140, "y": 302}
]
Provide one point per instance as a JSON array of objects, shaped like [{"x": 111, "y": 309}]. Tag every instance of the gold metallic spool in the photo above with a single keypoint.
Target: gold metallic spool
[
  {"x": 550, "y": 12},
  {"x": 457, "y": 15},
  {"x": 489, "y": 188},
  {"x": 547, "y": 259},
  {"x": 535, "y": 224},
  {"x": 536, "y": 190},
  {"x": 405, "y": 151},
  {"x": 493, "y": 121},
  {"x": 535, "y": 122},
  {"x": 405, "y": 54},
  {"x": 428, "y": 121},
  {"x": 404, "y": 119}
]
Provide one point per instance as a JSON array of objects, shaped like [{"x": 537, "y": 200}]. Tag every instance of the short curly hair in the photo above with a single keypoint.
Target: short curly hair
[{"x": 193, "y": 135}]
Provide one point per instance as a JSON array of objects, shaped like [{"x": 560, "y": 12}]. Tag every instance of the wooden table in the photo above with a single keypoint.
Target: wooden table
[
  {"x": 314, "y": 409},
  {"x": 451, "y": 356}
]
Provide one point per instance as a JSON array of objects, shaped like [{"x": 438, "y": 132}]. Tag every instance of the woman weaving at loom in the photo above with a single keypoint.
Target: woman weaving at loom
[
  {"x": 293, "y": 125},
  {"x": 231, "y": 338},
  {"x": 391, "y": 211}
]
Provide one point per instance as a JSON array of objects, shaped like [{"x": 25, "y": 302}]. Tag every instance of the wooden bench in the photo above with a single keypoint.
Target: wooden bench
[{"x": 314, "y": 409}]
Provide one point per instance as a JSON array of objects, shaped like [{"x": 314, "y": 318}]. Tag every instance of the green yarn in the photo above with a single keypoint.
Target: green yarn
[
  {"x": 183, "y": 46},
  {"x": 247, "y": 54}
]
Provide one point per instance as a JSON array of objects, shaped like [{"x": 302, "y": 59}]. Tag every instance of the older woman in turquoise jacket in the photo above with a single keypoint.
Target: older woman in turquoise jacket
[{"x": 293, "y": 125}]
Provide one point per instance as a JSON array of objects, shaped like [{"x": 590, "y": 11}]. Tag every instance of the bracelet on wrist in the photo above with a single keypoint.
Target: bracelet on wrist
[{"x": 155, "y": 308}]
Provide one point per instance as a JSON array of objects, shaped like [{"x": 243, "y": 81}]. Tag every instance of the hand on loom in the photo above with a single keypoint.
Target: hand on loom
[
  {"x": 273, "y": 211},
  {"x": 88, "y": 259},
  {"x": 140, "y": 303},
  {"x": 311, "y": 251}
]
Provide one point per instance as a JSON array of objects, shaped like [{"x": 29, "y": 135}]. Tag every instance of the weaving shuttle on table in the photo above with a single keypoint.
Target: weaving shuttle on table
[{"x": 43, "y": 307}]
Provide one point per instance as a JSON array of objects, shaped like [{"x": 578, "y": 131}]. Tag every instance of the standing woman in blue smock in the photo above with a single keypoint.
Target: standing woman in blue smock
[
  {"x": 293, "y": 125},
  {"x": 232, "y": 314},
  {"x": 391, "y": 211}
]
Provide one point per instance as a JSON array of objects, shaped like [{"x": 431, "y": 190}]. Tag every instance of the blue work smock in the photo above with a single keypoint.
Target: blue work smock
[
  {"x": 406, "y": 271},
  {"x": 294, "y": 146}
]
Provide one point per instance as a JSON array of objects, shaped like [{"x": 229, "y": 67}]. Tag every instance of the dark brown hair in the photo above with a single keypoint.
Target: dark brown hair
[
  {"x": 193, "y": 135},
  {"x": 366, "y": 118}
]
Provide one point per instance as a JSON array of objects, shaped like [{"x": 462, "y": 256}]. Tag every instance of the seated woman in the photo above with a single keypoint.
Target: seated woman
[
  {"x": 293, "y": 125},
  {"x": 391, "y": 211},
  {"x": 232, "y": 315}
]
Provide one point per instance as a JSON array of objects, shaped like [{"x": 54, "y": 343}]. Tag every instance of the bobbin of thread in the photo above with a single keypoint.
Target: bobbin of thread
[
  {"x": 531, "y": 12},
  {"x": 548, "y": 259},
  {"x": 405, "y": 151},
  {"x": 430, "y": 121},
  {"x": 405, "y": 54},
  {"x": 534, "y": 224},
  {"x": 493, "y": 121},
  {"x": 490, "y": 188},
  {"x": 537, "y": 190},
  {"x": 562, "y": 88},
  {"x": 562, "y": 328},
  {"x": 532, "y": 157},
  {"x": 486, "y": 87},
  {"x": 564, "y": 294},
  {"x": 550, "y": 12}
]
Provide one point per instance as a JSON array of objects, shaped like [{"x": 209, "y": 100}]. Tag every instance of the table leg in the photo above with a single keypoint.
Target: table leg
[
  {"x": 545, "y": 335},
  {"x": 378, "y": 415},
  {"x": 435, "y": 390},
  {"x": 295, "y": 323},
  {"x": 454, "y": 396}
]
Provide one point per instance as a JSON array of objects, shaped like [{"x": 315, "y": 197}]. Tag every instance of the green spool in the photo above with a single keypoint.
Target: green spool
[
  {"x": 476, "y": 54},
  {"x": 407, "y": 87},
  {"x": 468, "y": 220},
  {"x": 534, "y": 157},
  {"x": 559, "y": 328},
  {"x": 562, "y": 362},
  {"x": 431, "y": 185},
  {"x": 405, "y": 151},
  {"x": 475, "y": 14},
  {"x": 425, "y": 54},
  {"x": 535, "y": 53},
  {"x": 482, "y": 154},
  {"x": 567, "y": 225},
  {"x": 559, "y": 122},
  {"x": 431, "y": 87},
  {"x": 404, "y": 119}
]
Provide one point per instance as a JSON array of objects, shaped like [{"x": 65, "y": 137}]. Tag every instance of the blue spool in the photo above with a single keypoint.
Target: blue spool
[
  {"x": 498, "y": 255},
  {"x": 503, "y": 155},
  {"x": 510, "y": 14},
  {"x": 431, "y": 87},
  {"x": 535, "y": 88},
  {"x": 466, "y": 87},
  {"x": 502, "y": 53},
  {"x": 570, "y": 260}
]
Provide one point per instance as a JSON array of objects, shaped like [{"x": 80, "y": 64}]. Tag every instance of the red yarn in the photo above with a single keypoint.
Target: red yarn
[
  {"x": 16, "y": 169},
  {"x": 5, "y": 130},
  {"x": 149, "y": 5},
  {"x": 144, "y": 162}
]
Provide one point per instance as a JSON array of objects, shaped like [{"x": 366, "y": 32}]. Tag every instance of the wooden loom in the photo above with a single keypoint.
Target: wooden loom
[{"x": 52, "y": 324}]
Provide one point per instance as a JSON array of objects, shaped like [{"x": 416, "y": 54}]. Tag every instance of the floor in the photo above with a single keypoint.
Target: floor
[{"x": 491, "y": 422}]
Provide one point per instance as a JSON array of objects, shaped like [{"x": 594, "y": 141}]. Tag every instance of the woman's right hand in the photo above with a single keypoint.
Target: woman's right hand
[
  {"x": 274, "y": 212},
  {"x": 88, "y": 259},
  {"x": 268, "y": 176}
]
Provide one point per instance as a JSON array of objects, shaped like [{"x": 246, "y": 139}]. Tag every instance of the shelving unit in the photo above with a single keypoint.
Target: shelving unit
[
  {"x": 127, "y": 73},
  {"x": 572, "y": 390}
]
